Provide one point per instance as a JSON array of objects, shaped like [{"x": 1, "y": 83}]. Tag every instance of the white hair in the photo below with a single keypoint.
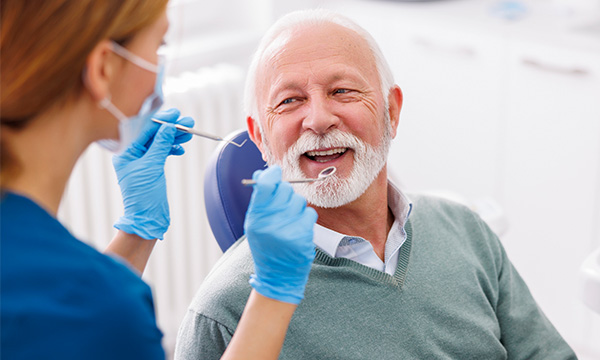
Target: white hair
[{"x": 307, "y": 18}]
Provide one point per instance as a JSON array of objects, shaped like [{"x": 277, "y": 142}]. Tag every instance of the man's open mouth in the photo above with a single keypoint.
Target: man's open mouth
[{"x": 325, "y": 155}]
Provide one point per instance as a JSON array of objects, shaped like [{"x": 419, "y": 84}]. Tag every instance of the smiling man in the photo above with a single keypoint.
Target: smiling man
[
  {"x": 392, "y": 278},
  {"x": 321, "y": 101}
]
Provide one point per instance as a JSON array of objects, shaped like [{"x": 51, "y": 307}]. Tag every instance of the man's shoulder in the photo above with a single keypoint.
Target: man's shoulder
[
  {"x": 441, "y": 217},
  {"x": 236, "y": 263},
  {"x": 226, "y": 287},
  {"x": 435, "y": 203}
]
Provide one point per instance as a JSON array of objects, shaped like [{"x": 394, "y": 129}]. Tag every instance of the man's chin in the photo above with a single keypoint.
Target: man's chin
[{"x": 329, "y": 194}]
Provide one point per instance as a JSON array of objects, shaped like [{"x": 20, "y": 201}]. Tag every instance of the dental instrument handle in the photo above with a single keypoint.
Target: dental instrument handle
[
  {"x": 198, "y": 133},
  {"x": 325, "y": 173},
  {"x": 299, "y": 181},
  {"x": 191, "y": 131}
]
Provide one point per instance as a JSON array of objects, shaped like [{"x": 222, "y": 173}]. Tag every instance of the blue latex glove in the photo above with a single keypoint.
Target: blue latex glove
[
  {"x": 279, "y": 228},
  {"x": 141, "y": 173}
]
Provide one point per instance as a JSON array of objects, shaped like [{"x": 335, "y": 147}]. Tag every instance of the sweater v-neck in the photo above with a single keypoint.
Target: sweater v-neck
[{"x": 396, "y": 280}]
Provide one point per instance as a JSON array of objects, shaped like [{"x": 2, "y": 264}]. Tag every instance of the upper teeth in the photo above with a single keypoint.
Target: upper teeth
[{"x": 326, "y": 152}]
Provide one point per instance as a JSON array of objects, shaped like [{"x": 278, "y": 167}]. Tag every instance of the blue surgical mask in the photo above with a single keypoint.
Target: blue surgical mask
[{"x": 131, "y": 127}]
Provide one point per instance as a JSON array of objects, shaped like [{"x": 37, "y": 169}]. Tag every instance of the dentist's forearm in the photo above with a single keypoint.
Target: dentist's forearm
[
  {"x": 132, "y": 248},
  {"x": 261, "y": 330}
]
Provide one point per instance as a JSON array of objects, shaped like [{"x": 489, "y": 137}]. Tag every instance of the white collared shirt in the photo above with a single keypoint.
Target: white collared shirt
[{"x": 360, "y": 250}]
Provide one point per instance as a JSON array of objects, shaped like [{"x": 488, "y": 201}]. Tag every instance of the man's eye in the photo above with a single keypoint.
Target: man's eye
[
  {"x": 341, "y": 91},
  {"x": 288, "y": 101}
]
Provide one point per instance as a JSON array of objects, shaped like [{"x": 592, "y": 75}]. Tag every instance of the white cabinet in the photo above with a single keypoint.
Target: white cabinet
[
  {"x": 551, "y": 177},
  {"x": 447, "y": 137}
]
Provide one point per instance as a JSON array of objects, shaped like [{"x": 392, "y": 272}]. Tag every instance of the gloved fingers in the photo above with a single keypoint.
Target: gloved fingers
[
  {"x": 150, "y": 128},
  {"x": 177, "y": 150},
  {"x": 290, "y": 219},
  {"x": 272, "y": 175},
  {"x": 186, "y": 121},
  {"x": 266, "y": 183},
  {"x": 310, "y": 215},
  {"x": 256, "y": 174},
  {"x": 162, "y": 144},
  {"x": 140, "y": 145},
  {"x": 284, "y": 199},
  {"x": 170, "y": 115},
  {"x": 296, "y": 206},
  {"x": 173, "y": 116},
  {"x": 130, "y": 154},
  {"x": 307, "y": 220},
  {"x": 138, "y": 149},
  {"x": 183, "y": 137}
]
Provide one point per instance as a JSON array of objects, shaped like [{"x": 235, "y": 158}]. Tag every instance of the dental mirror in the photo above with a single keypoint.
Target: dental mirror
[
  {"x": 199, "y": 133},
  {"x": 325, "y": 173}
]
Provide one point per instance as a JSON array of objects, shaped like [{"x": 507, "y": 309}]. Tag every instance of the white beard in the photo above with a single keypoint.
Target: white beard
[{"x": 334, "y": 191}]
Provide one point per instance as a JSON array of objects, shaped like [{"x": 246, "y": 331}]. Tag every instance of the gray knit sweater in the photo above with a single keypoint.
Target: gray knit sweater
[{"x": 454, "y": 295}]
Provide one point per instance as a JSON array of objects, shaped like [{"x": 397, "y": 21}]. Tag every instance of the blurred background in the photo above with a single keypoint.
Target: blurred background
[{"x": 501, "y": 112}]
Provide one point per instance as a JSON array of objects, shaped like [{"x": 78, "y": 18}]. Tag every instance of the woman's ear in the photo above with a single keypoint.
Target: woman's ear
[{"x": 99, "y": 71}]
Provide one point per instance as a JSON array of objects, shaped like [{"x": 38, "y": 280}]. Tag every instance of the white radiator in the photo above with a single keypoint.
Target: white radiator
[{"x": 92, "y": 202}]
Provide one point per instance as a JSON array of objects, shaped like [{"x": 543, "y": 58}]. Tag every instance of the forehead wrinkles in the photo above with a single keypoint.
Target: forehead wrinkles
[
  {"x": 328, "y": 44},
  {"x": 286, "y": 75}
]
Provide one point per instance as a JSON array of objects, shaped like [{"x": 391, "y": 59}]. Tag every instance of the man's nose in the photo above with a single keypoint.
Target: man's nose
[{"x": 320, "y": 117}]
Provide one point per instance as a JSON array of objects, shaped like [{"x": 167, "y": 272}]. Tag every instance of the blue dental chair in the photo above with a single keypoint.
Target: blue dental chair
[{"x": 225, "y": 198}]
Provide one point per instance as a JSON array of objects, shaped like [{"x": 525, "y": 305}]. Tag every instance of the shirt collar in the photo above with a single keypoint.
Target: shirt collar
[{"x": 328, "y": 240}]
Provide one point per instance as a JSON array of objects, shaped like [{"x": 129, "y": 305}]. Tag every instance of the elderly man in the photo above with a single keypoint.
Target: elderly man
[{"x": 392, "y": 279}]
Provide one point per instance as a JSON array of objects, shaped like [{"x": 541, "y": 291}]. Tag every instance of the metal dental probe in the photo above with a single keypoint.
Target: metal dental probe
[
  {"x": 325, "y": 173},
  {"x": 199, "y": 133}
]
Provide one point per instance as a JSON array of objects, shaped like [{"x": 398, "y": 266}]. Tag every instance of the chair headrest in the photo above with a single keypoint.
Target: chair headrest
[{"x": 226, "y": 199}]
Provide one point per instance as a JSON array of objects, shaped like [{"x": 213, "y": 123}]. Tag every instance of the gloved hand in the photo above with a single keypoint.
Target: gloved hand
[
  {"x": 279, "y": 228},
  {"x": 141, "y": 173}
]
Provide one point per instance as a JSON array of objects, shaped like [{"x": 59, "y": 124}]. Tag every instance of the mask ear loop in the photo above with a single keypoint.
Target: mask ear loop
[
  {"x": 143, "y": 63},
  {"x": 108, "y": 105}
]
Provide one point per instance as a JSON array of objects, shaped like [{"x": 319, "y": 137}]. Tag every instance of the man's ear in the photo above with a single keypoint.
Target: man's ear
[
  {"x": 255, "y": 134},
  {"x": 100, "y": 68},
  {"x": 395, "y": 99}
]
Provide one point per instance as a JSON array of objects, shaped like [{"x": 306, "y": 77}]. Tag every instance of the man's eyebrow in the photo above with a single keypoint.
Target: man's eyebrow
[
  {"x": 288, "y": 85},
  {"x": 351, "y": 75},
  {"x": 294, "y": 84},
  {"x": 284, "y": 86},
  {"x": 339, "y": 76}
]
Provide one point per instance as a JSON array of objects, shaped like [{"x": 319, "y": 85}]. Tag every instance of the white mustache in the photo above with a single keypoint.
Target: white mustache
[{"x": 309, "y": 141}]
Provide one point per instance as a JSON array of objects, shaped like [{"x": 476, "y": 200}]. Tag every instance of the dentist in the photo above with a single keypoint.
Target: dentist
[{"x": 74, "y": 72}]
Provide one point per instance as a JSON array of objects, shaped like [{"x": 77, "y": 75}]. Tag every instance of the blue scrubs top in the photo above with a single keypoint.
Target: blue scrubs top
[{"x": 61, "y": 299}]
